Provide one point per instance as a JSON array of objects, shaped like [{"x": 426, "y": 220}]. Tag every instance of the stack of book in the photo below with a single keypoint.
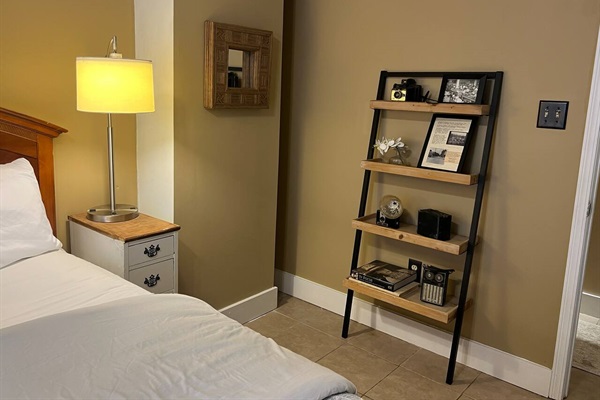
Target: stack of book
[{"x": 384, "y": 275}]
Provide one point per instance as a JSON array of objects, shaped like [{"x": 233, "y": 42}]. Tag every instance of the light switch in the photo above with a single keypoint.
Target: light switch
[{"x": 552, "y": 114}]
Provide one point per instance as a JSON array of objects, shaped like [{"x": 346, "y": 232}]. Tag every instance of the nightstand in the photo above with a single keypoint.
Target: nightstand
[{"x": 142, "y": 250}]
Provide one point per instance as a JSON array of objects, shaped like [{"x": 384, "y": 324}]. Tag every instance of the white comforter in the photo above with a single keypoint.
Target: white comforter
[
  {"x": 153, "y": 346},
  {"x": 56, "y": 282}
]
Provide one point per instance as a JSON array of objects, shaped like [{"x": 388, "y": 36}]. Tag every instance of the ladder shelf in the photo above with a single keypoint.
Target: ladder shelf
[{"x": 409, "y": 299}]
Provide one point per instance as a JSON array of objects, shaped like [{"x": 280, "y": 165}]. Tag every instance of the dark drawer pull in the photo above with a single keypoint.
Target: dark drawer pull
[
  {"x": 152, "y": 281},
  {"x": 152, "y": 251}
]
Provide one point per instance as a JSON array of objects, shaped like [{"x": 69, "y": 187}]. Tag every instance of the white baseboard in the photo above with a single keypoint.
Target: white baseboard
[
  {"x": 590, "y": 305},
  {"x": 494, "y": 362},
  {"x": 253, "y": 306}
]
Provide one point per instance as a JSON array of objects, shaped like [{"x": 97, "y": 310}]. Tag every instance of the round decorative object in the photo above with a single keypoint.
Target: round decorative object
[
  {"x": 391, "y": 207},
  {"x": 401, "y": 157}
]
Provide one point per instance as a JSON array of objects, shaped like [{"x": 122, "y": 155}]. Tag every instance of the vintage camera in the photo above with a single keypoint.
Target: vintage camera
[
  {"x": 407, "y": 90},
  {"x": 435, "y": 284},
  {"x": 382, "y": 220}
]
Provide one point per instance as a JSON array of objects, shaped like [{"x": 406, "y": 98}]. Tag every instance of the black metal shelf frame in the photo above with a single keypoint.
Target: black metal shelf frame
[{"x": 491, "y": 125}]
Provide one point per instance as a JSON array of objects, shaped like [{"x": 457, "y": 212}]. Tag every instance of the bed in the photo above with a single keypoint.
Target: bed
[{"x": 70, "y": 329}]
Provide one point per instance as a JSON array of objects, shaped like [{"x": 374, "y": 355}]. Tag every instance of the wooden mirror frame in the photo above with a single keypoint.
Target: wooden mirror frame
[{"x": 219, "y": 38}]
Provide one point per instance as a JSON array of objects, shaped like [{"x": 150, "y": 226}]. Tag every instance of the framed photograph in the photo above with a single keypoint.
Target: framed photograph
[
  {"x": 460, "y": 88},
  {"x": 447, "y": 142}
]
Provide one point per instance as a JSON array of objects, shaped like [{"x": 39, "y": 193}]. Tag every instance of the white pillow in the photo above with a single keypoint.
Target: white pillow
[{"x": 24, "y": 228}]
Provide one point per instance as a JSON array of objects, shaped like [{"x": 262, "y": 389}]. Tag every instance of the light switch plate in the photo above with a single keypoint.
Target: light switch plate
[{"x": 552, "y": 114}]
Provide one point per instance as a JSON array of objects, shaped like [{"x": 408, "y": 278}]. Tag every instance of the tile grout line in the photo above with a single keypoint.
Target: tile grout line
[
  {"x": 347, "y": 341},
  {"x": 442, "y": 383},
  {"x": 381, "y": 380}
]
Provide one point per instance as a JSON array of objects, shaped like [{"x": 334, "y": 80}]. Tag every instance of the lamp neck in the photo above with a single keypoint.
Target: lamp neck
[
  {"x": 111, "y": 166},
  {"x": 113, "y": 42}
]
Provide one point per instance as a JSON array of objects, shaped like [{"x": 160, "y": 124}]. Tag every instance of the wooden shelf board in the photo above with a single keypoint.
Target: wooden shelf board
[
  {"x": 446, "y": 108},
  {"x": 409, "y": 300},
  {"x": 441, "y": 176},
  {"x": 408, "y": 233}
]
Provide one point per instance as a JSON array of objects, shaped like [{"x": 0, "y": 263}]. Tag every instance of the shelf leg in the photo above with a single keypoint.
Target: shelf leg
[
  {"x": 347, "y": 313},
  {"x": 460, "y": 312},
  {"x": 452, "y": 360},
  {"x": 487, "y": 149},
  {"x": 363, "y": 198}
]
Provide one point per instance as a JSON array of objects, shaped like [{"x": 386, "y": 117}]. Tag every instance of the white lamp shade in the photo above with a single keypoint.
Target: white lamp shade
[{"x": 112, "y": 85}]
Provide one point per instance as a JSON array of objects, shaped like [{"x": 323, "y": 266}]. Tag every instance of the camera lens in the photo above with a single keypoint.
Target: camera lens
[{"x": 398, "y": 94}]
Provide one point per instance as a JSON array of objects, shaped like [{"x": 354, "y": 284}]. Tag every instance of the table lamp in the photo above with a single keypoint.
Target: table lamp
[{"x": 114, "y": 85}]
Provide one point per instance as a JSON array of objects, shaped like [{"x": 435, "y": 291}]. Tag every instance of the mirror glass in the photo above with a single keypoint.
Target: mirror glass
[{"x": 235, "y": 72}]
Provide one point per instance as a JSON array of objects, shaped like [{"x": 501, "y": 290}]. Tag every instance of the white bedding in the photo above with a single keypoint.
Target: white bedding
[
  {"x": 203, "y": 355},
  {"x": 69, "y": 329},
  {"x": 55, "y": 282},
  {"x": 73, "y": 330}
]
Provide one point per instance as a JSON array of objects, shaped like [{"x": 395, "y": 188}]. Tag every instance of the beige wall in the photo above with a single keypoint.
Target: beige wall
[
  {"x": 155, "y": 131},
  {"x": 225, "y": 163},
  {"x": 39, "y": 41},
  {"x": 334, "y": 51}
]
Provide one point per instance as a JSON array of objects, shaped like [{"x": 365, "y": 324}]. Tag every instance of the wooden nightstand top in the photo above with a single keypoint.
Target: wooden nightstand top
[{"x": 137, "y": 228}]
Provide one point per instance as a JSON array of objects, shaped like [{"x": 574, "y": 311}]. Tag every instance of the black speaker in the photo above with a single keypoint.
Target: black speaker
[
  {"x": 435, "y": 285},
  {"x": 434, "y": 224}
]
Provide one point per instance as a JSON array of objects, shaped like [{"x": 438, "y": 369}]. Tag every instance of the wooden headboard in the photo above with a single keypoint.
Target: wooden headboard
[{"x": 31, "y": 138}]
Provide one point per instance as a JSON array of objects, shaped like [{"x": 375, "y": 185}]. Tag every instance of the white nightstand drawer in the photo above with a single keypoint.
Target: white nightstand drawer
[
  {"x": 151, "y": 249},
  {"x": 119, "y": 247},
  {"x": 146, "y": 276}
]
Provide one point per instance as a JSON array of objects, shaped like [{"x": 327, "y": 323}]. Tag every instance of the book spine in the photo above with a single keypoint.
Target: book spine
[{"x": 374, "y": 282}]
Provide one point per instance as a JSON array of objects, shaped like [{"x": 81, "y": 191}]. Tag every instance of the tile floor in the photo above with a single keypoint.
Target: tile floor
[{"x": 383, "y": 367}]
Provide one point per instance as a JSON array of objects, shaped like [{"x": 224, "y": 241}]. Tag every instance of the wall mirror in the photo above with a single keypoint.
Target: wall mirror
[{"x": 237, "y": 66}]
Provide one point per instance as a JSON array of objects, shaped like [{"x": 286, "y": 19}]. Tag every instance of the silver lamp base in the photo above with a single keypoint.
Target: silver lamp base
[{"x": 103, "y": 213}]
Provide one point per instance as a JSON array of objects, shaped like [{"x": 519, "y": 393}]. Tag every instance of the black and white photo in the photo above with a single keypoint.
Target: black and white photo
[
  {"x": 462, "y": 89},
  {"x": 457, "y": 138},
  {"x": 436, "y": 156}
]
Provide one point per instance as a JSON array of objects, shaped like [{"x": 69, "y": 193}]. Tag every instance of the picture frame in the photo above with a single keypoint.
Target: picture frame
[
  {"x": 462, "y": 88},
  {"x": 237, "y": 66},
  {"x": 447, "y": 142}
]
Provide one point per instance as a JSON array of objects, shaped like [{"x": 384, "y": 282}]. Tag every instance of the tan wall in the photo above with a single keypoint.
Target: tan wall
[
  {"x": 591, "y": 282},
  {"x": 334, "y": 51},
  {"x": 39, "y": 41},
  {"x": 225, "y": 163}
]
